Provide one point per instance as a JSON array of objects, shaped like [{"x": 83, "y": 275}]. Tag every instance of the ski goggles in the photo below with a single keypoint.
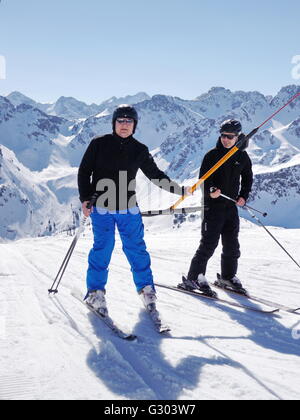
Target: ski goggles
[
  {"x": 228, "y": 136},
  {"x": 125, "y": 120}
]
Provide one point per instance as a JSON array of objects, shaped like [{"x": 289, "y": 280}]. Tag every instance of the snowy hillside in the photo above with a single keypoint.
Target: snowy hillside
[
  {"x": 53, "y": 348},
  {"x": 31, "y": 134},
  {"x": 34, "y": 204},
  {"x": 277, "y": 192}
]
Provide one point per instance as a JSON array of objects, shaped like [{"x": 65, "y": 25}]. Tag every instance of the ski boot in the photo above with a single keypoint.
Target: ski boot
[
  {"x": 96, "y": 301},
  {"x": 200, "y": 284},
  {"x": 233, "y": 285},
  {"x": 148, "y": 296}
]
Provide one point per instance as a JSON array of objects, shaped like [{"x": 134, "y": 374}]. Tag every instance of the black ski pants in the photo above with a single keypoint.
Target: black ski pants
[{"x": 218, "y": 222}]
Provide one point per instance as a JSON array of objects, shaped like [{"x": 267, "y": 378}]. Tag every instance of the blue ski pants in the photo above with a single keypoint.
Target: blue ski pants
[{"x": 131, "y": 230}]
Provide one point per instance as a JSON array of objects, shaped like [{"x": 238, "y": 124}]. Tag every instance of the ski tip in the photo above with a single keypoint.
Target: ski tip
[
  {"x": 275, "y": 312},
  {"x": 295, "y": 311},
  {"x": 165, "y": 330},
  {"x": 131, "y": 337}
]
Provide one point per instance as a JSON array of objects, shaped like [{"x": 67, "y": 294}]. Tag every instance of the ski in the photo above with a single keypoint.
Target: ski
[
  {"x": 110, "y": 323},
  {"x": 160, "y": 327},
  {"x": 257, "y": 299},
  {"x": 107, "y": 320},
  {"x": 216, "y": 299}
]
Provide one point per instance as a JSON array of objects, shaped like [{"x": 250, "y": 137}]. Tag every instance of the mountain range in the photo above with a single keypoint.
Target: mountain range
[{"x": 41, "y": 146}]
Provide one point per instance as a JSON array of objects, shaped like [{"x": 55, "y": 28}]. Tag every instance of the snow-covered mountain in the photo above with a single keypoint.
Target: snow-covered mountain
[
  {"x": 179, "y": 132},
  {"x": 72, "y": 109},
  {"x": 219, "y": 101},
  {"x": 110, "y": 104},
  {"x": 277, "y": 191},
  {"x": 159, "y": 117},
  {"x": 17, "y": 98},
  {"x": 32, "y": 203},
  {"x": 185, "y": 130},
  {"x": 35, "y": 137}
]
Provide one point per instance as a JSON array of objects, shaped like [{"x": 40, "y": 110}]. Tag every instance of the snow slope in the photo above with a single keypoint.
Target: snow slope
[{"x": 52, "y": 348}]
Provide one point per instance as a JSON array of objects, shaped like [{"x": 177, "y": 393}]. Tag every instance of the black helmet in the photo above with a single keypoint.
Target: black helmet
[
  {"x": 231, "y": 126},
  {"x": 125, "y": 111}
]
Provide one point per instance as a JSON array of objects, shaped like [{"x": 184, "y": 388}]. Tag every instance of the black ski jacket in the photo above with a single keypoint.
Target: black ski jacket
[
  {"x": 234, "y": 178},
  {"x": 106, "y": 157}
]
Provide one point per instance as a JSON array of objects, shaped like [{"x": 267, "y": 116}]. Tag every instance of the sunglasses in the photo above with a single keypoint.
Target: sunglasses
[
  {"x": 228, "y": 136},
  {"x": 125, "y": 120}
]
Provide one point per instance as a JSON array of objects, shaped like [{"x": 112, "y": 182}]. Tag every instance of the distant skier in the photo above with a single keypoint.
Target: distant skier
[
  {"x": 221, "y": 218},
  {"x": 113, "y": 161}
]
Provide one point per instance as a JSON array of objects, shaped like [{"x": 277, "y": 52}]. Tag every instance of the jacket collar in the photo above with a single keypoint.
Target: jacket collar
[{"x": 121, "y": 139}]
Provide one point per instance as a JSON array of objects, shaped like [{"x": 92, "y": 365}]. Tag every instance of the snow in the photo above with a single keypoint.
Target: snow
[{"x": 54, "y": 348}]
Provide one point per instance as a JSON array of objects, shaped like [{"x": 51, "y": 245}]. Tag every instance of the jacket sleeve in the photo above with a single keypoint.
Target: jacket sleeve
[
  {"x": 246, "y": 179},
  {"x": 158, "y": 177},
  {"x": 85, "y": 172}
]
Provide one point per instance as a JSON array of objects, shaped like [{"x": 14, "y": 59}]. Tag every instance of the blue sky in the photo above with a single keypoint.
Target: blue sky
[{"x": 96, "y": 49}]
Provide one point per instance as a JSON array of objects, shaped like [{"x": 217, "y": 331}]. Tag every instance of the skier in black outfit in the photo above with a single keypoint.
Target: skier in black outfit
[
  {"x": 109, "y": 166},
  {"x": 234, "y": 179}
]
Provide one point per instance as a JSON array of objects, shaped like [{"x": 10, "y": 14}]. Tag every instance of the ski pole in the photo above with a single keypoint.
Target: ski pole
[
  {"x": 272, "y": 236},
  {"x": 280, "y": 109},
  {"x": 66, "y": 260},
  {"x": 62, "y": 269},
  {"x": 185, "y": 210},
  {"x": 249, "y": 209},
  {"x": 238, "y": 146},
  {"x": 213, "y": 189},
  {"x": 257, "y": 211}
]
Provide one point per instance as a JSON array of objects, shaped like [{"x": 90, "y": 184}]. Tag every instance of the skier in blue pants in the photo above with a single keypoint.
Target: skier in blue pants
[
  {"x": 109, "y": 166},
  {"x": 131, "y": 230}
]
